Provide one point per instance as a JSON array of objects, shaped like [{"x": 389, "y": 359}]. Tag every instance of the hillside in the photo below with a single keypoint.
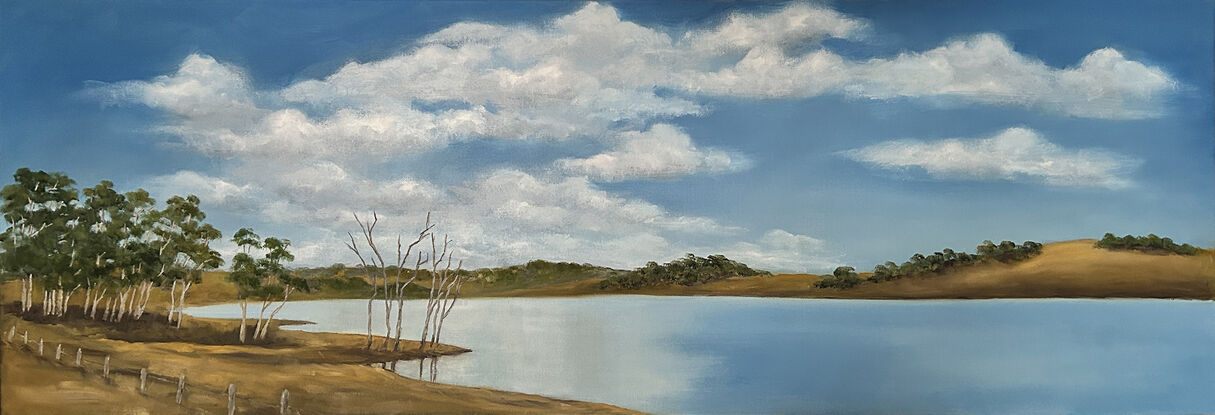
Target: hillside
[{"x": 1063, "y": 269}]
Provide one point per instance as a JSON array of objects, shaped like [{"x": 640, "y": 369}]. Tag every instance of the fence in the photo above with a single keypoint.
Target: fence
[{"x": 97, "y": 362}]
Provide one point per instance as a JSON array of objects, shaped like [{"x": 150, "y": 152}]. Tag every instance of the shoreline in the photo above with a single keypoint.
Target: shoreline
[{"x": 324, "y": 372}]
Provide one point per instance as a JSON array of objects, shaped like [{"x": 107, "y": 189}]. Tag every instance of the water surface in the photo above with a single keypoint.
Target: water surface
[{"x": 754, "y": 355}]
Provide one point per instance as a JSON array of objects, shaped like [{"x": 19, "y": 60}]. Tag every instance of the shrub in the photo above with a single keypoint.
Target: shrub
[
  {"x": 689, "y": 270},
  {"x": 841, "y": 278},
  {"x": 1150, "y": 243}
]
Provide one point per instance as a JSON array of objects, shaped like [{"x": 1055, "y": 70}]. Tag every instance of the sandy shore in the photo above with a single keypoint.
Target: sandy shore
[{"x": 323, "y": 372}]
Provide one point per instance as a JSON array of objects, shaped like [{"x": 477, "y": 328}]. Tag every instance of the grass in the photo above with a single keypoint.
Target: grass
[{"x": 325, "y": 372}]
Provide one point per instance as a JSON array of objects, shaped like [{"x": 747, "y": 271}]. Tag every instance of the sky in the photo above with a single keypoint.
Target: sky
[{"x": 792, "y": 136}]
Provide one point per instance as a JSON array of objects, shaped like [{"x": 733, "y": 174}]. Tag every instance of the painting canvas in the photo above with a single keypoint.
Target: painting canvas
[{"x": 672, "y": 207}]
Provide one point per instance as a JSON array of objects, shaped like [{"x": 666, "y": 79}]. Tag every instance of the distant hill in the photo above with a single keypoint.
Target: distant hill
[{"x": 1072, "y": 269}]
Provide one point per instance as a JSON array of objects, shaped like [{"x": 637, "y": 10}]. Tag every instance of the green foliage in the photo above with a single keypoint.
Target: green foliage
[
  {"x": 1150, "y": 243},
  {"x": 109, "y": 238},
  {"x": 938, "y": 262},
  {"x": 537, "y": 273},
  {"x": 266, "y": 277},
  {"x": 689, "y": 270},
  {"x": 841, "y": 278},
  {"x": 41, "y": 209}
]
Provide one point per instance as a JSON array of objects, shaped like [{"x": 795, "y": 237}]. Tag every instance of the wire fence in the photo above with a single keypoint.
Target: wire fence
[{"x": 97, "y": 364}]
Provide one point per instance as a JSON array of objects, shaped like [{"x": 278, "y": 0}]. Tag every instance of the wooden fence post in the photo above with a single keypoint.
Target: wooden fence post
[
  {"x": 105, "y": 367},
  {"x": 282, "y": 403},
  {"x": 40, "y": 346},
  {"x": 79, "y": 351},
  {"x": 58, "y": 351},
  {"x": 12, "y": 332},
  {"x": 181, "y": 386},
  {"x": 231, "y": 398},
  {"x": 143, "y": 380},
  {"x": 25, "y": 337}
]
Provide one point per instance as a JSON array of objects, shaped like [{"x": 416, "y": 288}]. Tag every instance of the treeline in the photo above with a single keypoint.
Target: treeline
[
  {"x": 937, "y": 262},
  {"x": 114, "y": 247},
  {"x": 335, "y": 278},
  {"x": 540, "y": 272},
  {"x": 1150, "y": 243},
  {"x": 689, "y": 270}
]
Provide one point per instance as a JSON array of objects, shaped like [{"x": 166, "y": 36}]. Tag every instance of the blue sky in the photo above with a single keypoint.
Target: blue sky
[{"x": 793, "y": 136}]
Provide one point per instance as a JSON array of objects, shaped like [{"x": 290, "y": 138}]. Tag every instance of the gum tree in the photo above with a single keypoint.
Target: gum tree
[{"x": 264, "y": 279}]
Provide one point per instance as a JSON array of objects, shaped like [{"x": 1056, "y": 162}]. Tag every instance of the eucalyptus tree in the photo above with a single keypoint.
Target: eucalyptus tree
[
  {"x": 39, "y": 207},
  {"x": 263, "y": 279},
  {"x": 378, "y": 269},
  {"x": 185, "y": 249},
  {"x": 102, "y": 219}
]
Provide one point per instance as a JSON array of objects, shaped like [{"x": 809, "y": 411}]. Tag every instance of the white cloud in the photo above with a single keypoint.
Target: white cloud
[
  {"x": 984, "y": 68},
  {"x": 315, "y": 151},
  {"x": 662, "y": 151},
  {"x": 781, "y": 251},
  {"x": 212, "y": 191},
  {"x": 790, "y": 27},
  {"x": 1015, "y": 153}
]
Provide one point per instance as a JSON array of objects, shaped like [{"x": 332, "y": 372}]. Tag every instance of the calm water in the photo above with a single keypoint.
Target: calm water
[{"x": 745, "y": 355}]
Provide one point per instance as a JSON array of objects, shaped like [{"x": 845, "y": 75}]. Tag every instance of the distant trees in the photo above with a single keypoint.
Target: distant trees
[
  {"x": 115, "y": 246},
  {"x": 924, "y": 265},
  {"x": 265, "y": 279},
  {"x": 689, "y": 270},
  {"x": 1150, "y": 243},
  {"x": 842, "y": 277}
]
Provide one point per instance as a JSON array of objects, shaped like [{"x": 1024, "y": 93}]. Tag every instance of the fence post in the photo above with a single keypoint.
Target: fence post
[
  {"x": 79, "y": 351},
  {"x": 12, "y": 332},
  {"x": 231, "y": 398},
  {"x": 25, "y": 337},
  {"x": 181, "y": 385},
  {"x": 282, "y": 403},
  {"x": 105, "y": 367},
  {"x": 40, "y": 346},
  {"x": 58, "y": 351},
  {"x": 143, "y": 380}
]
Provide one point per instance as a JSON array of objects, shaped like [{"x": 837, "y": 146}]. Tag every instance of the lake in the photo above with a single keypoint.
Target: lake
[{"x": 759, "y": 355}]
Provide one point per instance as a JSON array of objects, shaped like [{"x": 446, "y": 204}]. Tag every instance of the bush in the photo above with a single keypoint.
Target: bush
[
  {"x": 689, "y": 270},
  {"x": 1150, "y": 243},
  {"x": 947, "y": 259},
  {"x": 841, "y": 278}
]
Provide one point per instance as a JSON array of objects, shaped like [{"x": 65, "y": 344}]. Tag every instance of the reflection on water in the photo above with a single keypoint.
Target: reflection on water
[{"x": 742, "y": 355}]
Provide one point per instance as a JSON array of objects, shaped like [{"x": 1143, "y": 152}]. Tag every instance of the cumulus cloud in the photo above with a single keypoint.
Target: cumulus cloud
[
  {"x": 318, "y": 150},
  {"x": 1015, "y": 153},
  {"x": 213, "y": 190},
  {"x": 781, "y": 251},
  {"x": 661, "y": 152},
  {"x": 985, "y": 68}
]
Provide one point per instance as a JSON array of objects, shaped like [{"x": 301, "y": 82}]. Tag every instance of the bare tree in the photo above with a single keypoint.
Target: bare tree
[
  {"x": 444, "y": 290},
  {"x": 447, "y": 301},
  {"x": 378, "y": 270}
]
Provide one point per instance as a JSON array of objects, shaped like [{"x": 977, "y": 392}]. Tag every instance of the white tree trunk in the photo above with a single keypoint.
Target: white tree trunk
[
  {"x": 266, "y": 327},
  {"x": 181, "y": 303},
  {"x": 244, "y": 306},
  {"x": 172, "y": 301},
  {"x": 97, "y": 299}
]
